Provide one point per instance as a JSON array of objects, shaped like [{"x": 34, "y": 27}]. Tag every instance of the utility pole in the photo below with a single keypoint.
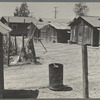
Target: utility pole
[{"x": 55, "y": 12}]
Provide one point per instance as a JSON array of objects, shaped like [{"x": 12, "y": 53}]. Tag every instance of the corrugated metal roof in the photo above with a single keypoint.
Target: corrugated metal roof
[
  {"x": 13, "y": 19},
  {"x": 4, "y": 29},
  {"x": 59, "y": 25}
]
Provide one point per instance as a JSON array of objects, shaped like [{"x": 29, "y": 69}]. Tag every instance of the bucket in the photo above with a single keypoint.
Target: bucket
[{"x": 56, "y": 76}]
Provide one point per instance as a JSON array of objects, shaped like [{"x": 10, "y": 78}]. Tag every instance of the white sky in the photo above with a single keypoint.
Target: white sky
[{"x": 45, "y": 9}]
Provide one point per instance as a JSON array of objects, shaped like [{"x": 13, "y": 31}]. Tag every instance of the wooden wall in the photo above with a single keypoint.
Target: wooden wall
[
  {"x": 62, "y": 36},
  {"x": 82, "y": 32},
  {"x": 50, "y": 34},
  {"x": 21, "y": 28}
]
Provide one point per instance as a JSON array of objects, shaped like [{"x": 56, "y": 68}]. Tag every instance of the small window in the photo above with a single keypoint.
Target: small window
[{"x": 14, "y": 27}]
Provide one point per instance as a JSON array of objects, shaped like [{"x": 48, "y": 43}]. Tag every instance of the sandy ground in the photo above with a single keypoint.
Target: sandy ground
[{"x": 33, "y": 76}]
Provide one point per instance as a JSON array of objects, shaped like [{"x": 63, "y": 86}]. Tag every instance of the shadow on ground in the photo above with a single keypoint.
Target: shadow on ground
[
  {"x": 61, "y": 88},
  {"x": 67, "y": 88}
]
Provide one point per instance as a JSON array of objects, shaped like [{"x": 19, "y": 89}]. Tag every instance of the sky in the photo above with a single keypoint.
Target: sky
[{"x": 46, "y": 9}]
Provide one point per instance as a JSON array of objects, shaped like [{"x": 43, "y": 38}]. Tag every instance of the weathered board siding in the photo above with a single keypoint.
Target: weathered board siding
[
  {"x": 50, "y": 34},
  {"x": 82, "y": 32}
]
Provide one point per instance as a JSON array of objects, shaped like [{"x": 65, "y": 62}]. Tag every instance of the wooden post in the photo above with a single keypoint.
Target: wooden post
[
  {"x": 15, "y": 45},
  {"x": 1, "y": 67},
  {"x": 9, "y": 50},
  {"x": 22, "y": 40},
  {"x": 33, "y": 50},
  {"x": 85, "y": 71},
  {"x": 23, "y": 48},
  {"x": 6, "y": 43}
]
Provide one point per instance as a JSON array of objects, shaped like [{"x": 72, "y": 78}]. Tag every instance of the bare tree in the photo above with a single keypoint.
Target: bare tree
[{"x": 81, "y": 9}]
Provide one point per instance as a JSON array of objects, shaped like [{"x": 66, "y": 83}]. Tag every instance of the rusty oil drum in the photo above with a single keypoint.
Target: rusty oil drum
[{"x": 56, "y": 76}]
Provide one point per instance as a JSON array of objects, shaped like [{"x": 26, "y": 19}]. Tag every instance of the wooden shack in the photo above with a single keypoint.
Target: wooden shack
[
  {"x": 18, "y": 24},
  {"x": 85, "y": 30},
  {"x": 55, "y": 32}
]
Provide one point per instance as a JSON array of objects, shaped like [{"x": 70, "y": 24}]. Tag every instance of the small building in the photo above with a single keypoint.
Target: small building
[
  {"x": 85, "y": 30},
  {"x": 55, "y": 30},
  {"x": 18, "y": 24}
]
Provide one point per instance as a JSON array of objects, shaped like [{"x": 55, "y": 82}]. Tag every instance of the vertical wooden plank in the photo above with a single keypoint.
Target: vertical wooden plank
[
  {"x": 15, "y": 45},
  {"x": 6, "y": 43},
  {"x": 71, "y": 36},
  {"x": 9, "y": 50},
  {"x": 1, "y": 67},
  {"x": 92, "y": 36},
  {"x": 83, "y": 33},
  {"x": 85, "y": 71},
  {"x": 23, "y": 37}
]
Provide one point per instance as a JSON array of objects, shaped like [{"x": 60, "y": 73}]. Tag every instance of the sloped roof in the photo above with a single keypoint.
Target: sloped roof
[
  {"x": 4, "y": 29},
  {"x": 54, "y": 20},
  {"x": 14, "y": 19},
  {"x": 93, "y": 20},
  {"x": 59, "y": 25},
  {"x": 41, "y": 25},
  {"x": 56, "y": 23}
]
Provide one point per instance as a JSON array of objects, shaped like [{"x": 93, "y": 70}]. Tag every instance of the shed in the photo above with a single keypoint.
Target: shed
[
  {"x": 85, "y": 29},
  {"x": 55, "y": 30},
  {"x": 18, "y": 24}
]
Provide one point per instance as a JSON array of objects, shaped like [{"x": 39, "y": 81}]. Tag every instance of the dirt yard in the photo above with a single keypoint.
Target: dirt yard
[{"x": 32, "y": 76}]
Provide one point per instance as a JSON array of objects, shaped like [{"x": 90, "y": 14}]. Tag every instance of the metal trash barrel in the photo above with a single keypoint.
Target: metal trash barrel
[{"x": 56, "y": 76}]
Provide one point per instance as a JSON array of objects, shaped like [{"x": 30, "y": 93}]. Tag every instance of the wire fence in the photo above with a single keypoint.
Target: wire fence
[{"x": 70, "y": 55}]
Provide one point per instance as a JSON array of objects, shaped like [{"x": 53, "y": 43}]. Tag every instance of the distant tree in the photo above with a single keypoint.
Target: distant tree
[
  {"x": 22, "y": 11},
  {"x": 81, "y": 9}
]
